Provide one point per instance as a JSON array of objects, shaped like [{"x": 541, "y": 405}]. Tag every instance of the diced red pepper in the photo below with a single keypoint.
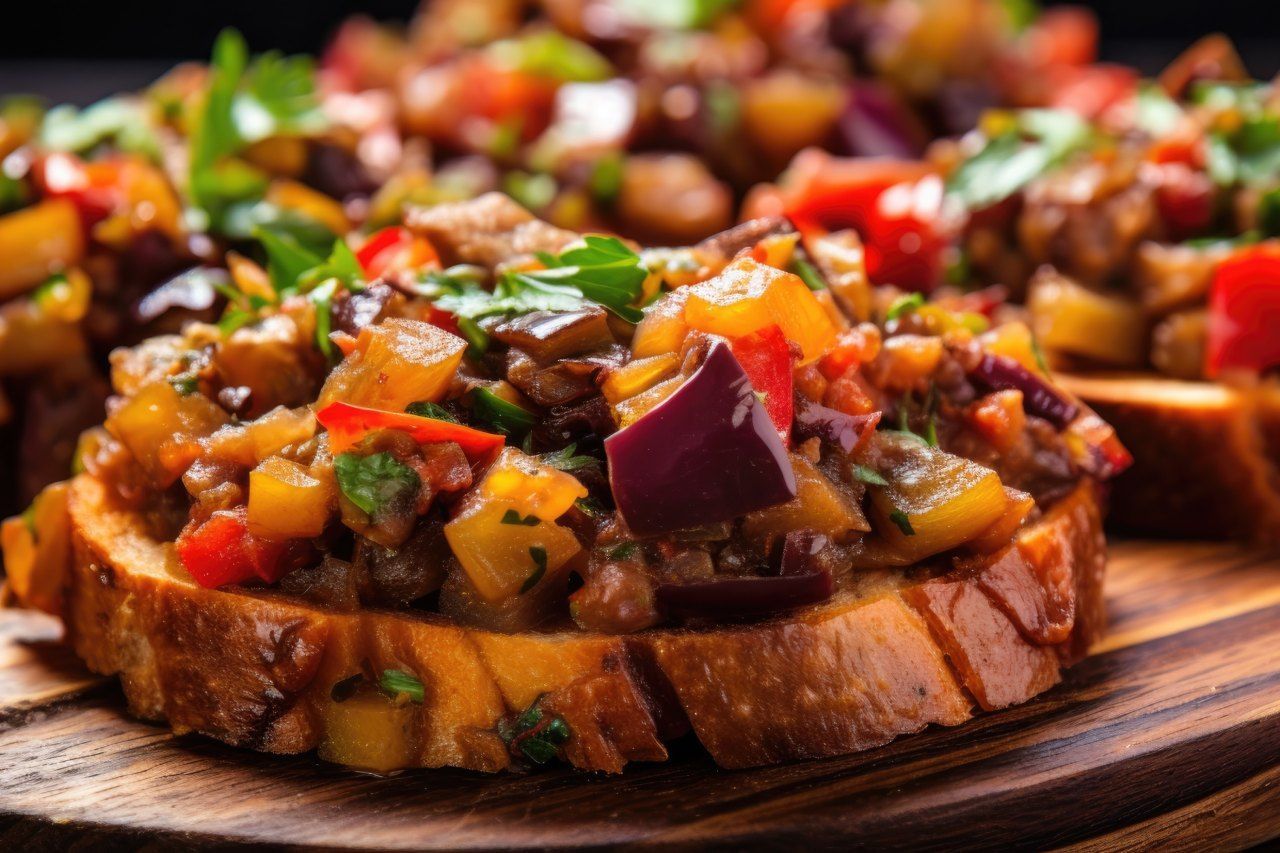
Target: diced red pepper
[
  {"x": 395, "y": 249},
  {"x": 348, "y": 424},
  {"x": 1244, "y": 311},
  {"x": 767, "y": 360},
  {"x": 1092, "y": 89},
  {"x": 222, "y": 551},
  {"x": 894, "y": 205},
  {"x": 1185, "y": 198},
  {"x": 442, "y": 319},
  {"x": 1065, "y": 35},
  {"x": 507, "y": 95},
  {"x": 94, "y": 188}
]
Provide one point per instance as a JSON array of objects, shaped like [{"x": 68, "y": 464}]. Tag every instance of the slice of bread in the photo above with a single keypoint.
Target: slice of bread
[
  {"x": 1205, "y": 455},
  {"x": 886, "y": 657}
]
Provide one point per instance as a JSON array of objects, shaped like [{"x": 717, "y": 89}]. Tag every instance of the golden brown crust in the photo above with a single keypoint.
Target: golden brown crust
[
  {"x": 256, "y": 669},
  {"x": 1205, "y": 456}
]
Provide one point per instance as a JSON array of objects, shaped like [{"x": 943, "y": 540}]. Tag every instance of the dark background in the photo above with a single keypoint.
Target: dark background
[{"x": 140, "y": 38}]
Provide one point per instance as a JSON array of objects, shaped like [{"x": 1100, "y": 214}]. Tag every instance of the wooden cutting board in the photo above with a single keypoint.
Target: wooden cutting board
[{"x": 1168, "y": 735}]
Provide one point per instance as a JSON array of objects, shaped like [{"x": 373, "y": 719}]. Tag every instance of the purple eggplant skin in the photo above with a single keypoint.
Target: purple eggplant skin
[
  {"x": 706, "y": 454},
  {"x": 749, "y": 596},
  {"x": 847, "y": 432},
  {"x": 876, "y": 124},
  {"x": 1039, "y": 398}
]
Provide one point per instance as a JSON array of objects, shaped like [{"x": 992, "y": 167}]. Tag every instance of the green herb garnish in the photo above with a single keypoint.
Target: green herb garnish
[
  {"x": 565, "y": 459},
  {"x": 1010, "y": 161},
  {"x": 870, "y": 476},
  {"x": 808, "y": 273},
  {"x": 903, "y": 523},
  {"x": 396, "y": 682},
  {"x": 123, "y": 121},
  {"x": 623, "y": 551},
  {"x": 513, "y": 517},
  {"x": 539, "y": 556},
  {"x": 533, "y": 734},
  {"x": 374, "y": 482},
  {"x": 904, "y": 304},
  {"x": 548, "y": 53},
  {"x": 425, "y": 409}
]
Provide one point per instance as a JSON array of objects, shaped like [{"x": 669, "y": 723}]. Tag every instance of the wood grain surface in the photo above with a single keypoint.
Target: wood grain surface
[{"x": 1168, "y": 737}]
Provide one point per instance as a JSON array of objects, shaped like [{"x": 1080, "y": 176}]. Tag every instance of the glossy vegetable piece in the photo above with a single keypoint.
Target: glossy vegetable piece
[
  {"x": 287, "y": 502},
  {"x": 37, "y": 549},
  {"x": 1071, "y": 319},
  {"x": 706, "y": 454},
  {"x": 663, "y": 328},
  {"x": 505, "y": 535},
  {"x": 766, "y": 358},
  {"x": 395, "y": 249},
  {"x": 934, "y": 501},
  {"x": 222, "y": 551},
  {"x": 638, "y": 375},
  {"x": 819, "y": 505},
  {"x": 894, "y": 205},
  {"x": 749, "y": 297},
  {"x": 1001, "y": 533},
  {"x": 1039, "y": 397},
  {"x": 348, "y": 425},
  {"x": 848, "y": 432},
  {"x": 1244, "y": 311},
  {"x": 159, "y": 426},
  {"x": 37, "y": 242},
  {"x": 548, "y": 336},
  {"x": 395, "y": 363},
  {"x": 369, "y": 731}
]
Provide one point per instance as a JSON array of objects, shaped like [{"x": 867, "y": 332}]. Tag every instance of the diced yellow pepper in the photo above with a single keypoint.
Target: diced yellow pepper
[
  {"x": 1072, "y": 319},
  {"x": 250, "y": 277},
  {"x": 638, "y": 375},
  {"x": 632, "y": 409},
  {"x": 66, "y": 300},
  {"x": 505, "y": 537},
  {"x": 749, "y": 296},
  {"x": 934, "y": 501},
  {"x": 530, "y": 487},
  {"x": 157, "y": 422},
  {"x": 1012, "y": 340},
  {"x": 287, "y": 502},
  {"x": 37, "y": 550},
  {"x": 663, "y": 328},
  {"x": 294, "y": 196},
  {"x": 37, "y": 242},
  {"x": 32, "y": 340},
  {"x": 370, "y": 731},
  {"x": 395, "y": 363},
  {"x": 819, "y": 505}
]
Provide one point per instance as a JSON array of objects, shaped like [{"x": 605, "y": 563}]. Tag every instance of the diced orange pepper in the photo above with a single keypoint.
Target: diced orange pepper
[
  {"x": 395, "y": 363},
  {"x": 37, "y": 242},
  {"x": 749, "y": 296},
  {"x": 663, "y": 328},
  {"x": 531, "y": 487}
]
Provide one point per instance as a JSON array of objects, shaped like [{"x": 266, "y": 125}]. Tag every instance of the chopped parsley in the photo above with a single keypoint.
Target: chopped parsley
[
  {"x": 902, "y": 522},
  {"x": 374, "y": 482},
  {"x": 539, "y": 556},
  {"x": 622, "y": 551},
  {"x": 123, "y": 121},
  {"x": 534, "y": 734},
  {"x": 396, "y": 683},
  {"x": 565, "y": 459},
  {"x": 808, "y": 273},
  {"x": 1008, "y": 162},
  {"x": 513, "y": 517},
  {"x": 870, "y": 476},
  {"x": 431, "y": 410}
]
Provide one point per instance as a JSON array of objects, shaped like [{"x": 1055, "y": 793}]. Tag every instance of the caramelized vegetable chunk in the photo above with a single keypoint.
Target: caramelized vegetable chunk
[{"x": 395, "y": 363}]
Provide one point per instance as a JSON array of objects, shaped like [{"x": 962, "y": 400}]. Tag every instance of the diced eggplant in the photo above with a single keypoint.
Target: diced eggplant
[
  {"x": 548, "y": 336},
  {"x": 848, "y": 432},
  {"x": 707, "y": 453}
]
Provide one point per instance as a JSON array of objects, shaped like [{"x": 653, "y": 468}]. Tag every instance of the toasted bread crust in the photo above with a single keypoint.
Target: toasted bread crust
[
  {"x": 1206, "y": 456},
  {"x": 256, "y": 669}
]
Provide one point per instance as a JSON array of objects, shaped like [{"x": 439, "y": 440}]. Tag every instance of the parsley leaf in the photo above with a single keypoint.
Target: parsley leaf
[
  {"x": 322, "y": 299},
  {"x": 287, "y": 259},
  {"x": 673, "y": 14},
  {"x": 902, "y": 522},
  {"x": 539, "y": 556},
  {"x": 124, "y": 121},
  {"x": 870, "y": 476},
  {"x": 603, "y": 270},
  {"x": 565, "y": 460},
  {"x": 1010, "y": 161},
  {"x": 431, "y": 410},
  {"x": 808, "y": 273},
  {"x": 374, "y": 482},
  {"x": 513, "y": 517},
  {"x": 395, "y": 682}
]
